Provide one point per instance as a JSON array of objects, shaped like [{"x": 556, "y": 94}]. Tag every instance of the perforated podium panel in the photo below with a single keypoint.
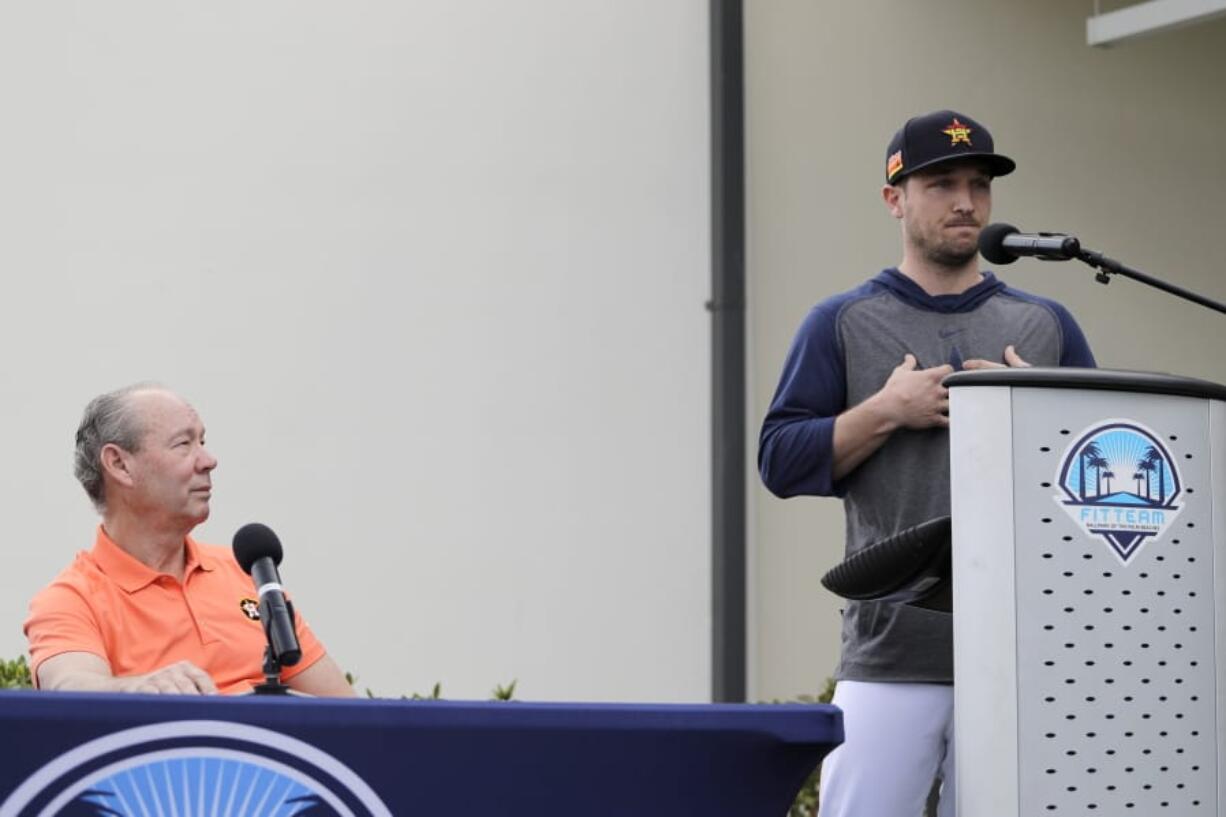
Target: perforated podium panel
[{"x": 1087, "y": 596}]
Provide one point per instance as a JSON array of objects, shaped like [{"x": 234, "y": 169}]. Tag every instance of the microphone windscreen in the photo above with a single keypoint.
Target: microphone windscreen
[
  {"x": 255, "y": 541},
  {"x": 992, "y": 243}
]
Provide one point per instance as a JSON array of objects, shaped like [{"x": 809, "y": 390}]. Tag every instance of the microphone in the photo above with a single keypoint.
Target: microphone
[
  {"x": 258, "y": 552},
  {"x": 1004, "y": 244}
]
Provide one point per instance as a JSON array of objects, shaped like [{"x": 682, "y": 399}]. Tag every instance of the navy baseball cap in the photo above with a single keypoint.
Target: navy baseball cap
[{"x": 941, "y": 136}]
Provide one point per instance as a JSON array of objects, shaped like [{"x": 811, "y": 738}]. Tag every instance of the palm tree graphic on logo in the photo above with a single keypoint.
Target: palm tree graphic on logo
[
  {"x": 1089, "y": 455},
  {"x": 1153, "y": 459},
  {"x": 1125, "y": 518}
]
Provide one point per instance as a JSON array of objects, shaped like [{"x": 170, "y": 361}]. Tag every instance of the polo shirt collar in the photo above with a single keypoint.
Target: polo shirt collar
[{"x": 131, "y": 574}]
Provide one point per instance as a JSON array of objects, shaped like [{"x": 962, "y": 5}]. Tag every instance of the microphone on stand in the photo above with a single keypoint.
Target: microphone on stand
[
  {"x": 1004, "y": 244},
  {"x": 258, "y": 552}
]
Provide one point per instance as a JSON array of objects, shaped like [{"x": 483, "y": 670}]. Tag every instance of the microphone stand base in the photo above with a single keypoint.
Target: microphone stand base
[
  {"x": 272, "y": 677},
  {"x": 273, "y": 687}
]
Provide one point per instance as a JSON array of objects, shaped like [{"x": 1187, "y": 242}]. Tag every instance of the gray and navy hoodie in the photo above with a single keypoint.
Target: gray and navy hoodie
[{"x": 843, "y": 353}]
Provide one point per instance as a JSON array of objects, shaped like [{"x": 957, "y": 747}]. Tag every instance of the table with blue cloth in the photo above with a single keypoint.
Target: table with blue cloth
[{"x": 74, "y": 754}]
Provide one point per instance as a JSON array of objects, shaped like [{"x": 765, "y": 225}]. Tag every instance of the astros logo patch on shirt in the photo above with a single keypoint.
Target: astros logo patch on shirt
[{"x": 250, "y": 608}]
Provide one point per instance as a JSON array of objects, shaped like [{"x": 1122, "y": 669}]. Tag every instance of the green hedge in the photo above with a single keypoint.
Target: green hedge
[{"x": 15, "y": 674}]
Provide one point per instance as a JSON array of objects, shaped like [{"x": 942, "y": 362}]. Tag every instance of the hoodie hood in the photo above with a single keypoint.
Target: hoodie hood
[{"x": 910, "y": 292}]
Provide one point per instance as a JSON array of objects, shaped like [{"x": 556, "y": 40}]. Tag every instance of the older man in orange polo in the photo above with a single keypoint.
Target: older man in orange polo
[{"x": 149, "y": 609}]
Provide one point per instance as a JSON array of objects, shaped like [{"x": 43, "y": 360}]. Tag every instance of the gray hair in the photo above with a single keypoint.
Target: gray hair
[{"x": 109, "y": 418}]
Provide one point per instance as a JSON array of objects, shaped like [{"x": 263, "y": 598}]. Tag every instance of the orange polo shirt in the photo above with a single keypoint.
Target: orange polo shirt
[{"x": 109, "y": 604}]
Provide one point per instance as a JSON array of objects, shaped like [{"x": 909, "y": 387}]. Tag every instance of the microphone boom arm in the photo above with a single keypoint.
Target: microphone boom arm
[{"x": 1109, "y": 266}]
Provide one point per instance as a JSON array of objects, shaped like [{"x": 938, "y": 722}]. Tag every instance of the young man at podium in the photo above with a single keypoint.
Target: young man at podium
[
  {"x": 860, "y": 413},
  {"x": 149, "y": 609}
]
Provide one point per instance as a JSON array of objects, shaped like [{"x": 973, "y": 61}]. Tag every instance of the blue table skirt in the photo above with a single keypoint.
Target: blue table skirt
[{"x": 82, "y": 754}]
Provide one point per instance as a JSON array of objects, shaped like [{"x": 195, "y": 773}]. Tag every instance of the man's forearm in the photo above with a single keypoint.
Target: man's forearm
[
  {"x": 858, "y": 433},
  {"x": 82, "y": 681},
  {"x": 85, "y": 672}
]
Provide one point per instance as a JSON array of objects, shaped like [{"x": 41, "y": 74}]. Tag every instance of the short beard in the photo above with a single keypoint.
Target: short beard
[{"x": 944, "y": 254}]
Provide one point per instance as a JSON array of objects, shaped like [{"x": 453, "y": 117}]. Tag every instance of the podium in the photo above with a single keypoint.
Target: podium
[
  {"x": 74, "y": 754},
  {"x": 1089, "y": 637}
]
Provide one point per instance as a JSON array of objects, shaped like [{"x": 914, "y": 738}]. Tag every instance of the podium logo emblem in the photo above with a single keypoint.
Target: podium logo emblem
[
  {"x": 194, "y": 768},
  {"x": 1119, "y": 483}
]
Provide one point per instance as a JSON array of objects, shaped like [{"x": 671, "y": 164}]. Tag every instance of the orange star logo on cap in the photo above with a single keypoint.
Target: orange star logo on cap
[{"x": 957, "y": 133}]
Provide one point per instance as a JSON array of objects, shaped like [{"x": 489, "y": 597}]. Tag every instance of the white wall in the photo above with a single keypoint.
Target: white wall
[
  {"x": 1120, "y": 146},
  {"x": 433, "y": 274}
]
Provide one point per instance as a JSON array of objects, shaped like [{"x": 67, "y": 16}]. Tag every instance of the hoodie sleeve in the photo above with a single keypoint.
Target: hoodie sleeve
[
  {"x": 1075, "y": 350},
  {"x": 796, "y": 445}
]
